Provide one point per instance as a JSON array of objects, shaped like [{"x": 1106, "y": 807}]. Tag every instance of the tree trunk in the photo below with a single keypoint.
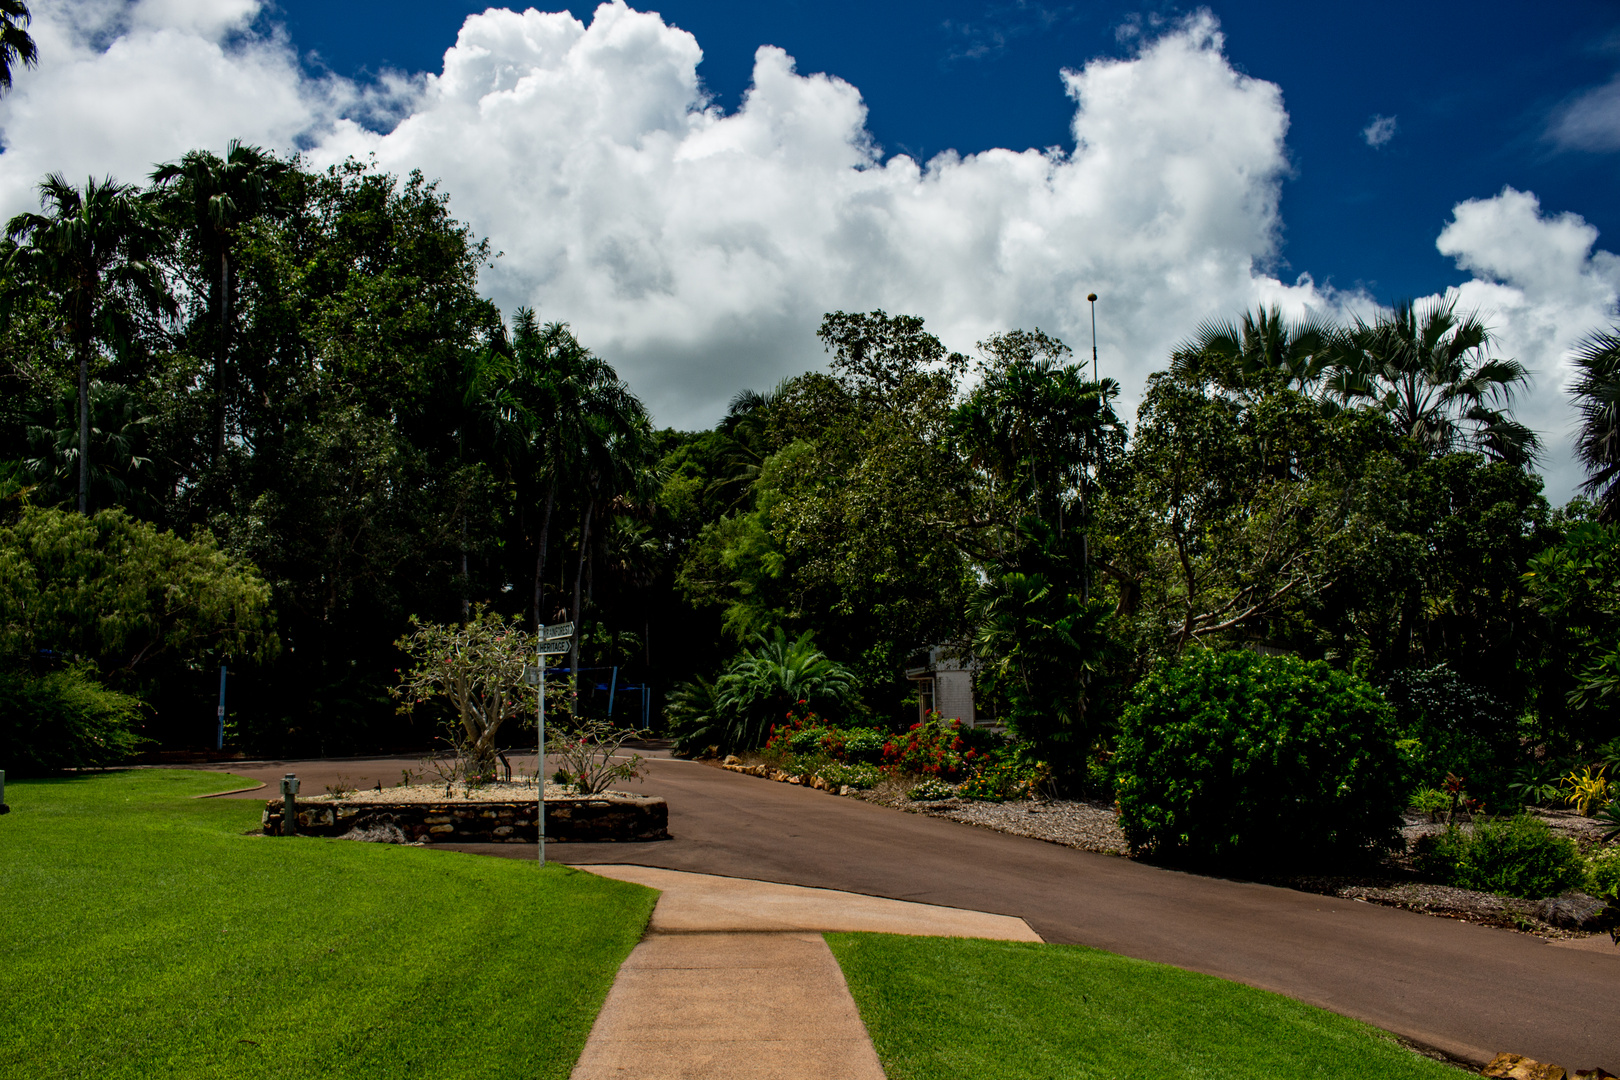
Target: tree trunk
[
  {"x": 579, "y": 580},
  {"x": 540, "y": 559},
  {"x": 84, "y": 428},
  {"x": 219, "y": 357}
]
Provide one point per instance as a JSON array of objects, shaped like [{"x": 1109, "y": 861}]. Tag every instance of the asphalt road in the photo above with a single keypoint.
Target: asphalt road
[{"x": 1468, "y": 990}]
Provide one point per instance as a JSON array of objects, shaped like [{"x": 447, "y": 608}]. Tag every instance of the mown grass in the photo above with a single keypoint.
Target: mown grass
[
  {"x": 949, "y": 1008},
  {"x": 143, "y": 934}
]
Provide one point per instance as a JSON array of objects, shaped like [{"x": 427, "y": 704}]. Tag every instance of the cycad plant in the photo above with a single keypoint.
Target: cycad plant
[{"x": 763, "y": 683}]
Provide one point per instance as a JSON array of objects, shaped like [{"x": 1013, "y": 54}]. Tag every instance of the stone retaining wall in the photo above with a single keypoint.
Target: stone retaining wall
[{"x": 583, "y": 819}]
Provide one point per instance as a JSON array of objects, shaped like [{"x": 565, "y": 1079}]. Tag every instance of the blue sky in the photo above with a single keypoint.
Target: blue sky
[{"x": 1473, "y": 89}]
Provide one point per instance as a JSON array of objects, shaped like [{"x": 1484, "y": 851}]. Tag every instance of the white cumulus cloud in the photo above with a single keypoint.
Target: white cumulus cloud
[
  {"x": 1379, "y": 131},
  {"x": 1541, "y": 287},
  {"x": 696, "y": 249}
]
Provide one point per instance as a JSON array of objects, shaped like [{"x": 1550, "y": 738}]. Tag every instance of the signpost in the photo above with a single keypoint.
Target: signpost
[{"x": 551, "y": 641}]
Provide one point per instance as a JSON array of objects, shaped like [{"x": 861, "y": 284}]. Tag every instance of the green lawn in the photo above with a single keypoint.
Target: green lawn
[
  {"x": 941, "y": 1008},
  {"x": 143, "y": 935}
]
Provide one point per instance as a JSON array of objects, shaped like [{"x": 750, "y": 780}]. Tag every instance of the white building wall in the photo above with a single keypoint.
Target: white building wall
[{"x": 953, "y": 695}]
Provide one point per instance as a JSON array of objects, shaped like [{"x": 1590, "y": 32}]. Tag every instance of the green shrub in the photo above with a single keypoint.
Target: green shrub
[
  {"x": 1256, "y": 760},
  {"x": 856, "y": 776},
  {"x": 1517, "y": 856},
  {"x": 1457, "y": 728},
  {"x": 931, "y": 789},
  {"x": 936, "y": 747},
  {"x": 1003, "y": 780},
  {"x": 63, "y": 720},
  {"x": 1603, "y": 874},
  {"x": 864, "y": 745},
  {"x": 1430, "y": 801}
]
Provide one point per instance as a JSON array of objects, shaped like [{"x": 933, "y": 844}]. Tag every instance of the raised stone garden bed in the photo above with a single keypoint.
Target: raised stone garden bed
[{"x": 499, "y": 817}]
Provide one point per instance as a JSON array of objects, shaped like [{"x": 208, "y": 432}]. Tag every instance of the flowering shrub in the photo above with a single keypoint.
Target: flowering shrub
[
  {"x": 931, "y": 790},
  {"x": 999, "y": 781},
  {"x": 588, "y": 753},
  {"x": 806, "y": 735},
  {"x": 839, "y": 774},
  {"x": 933, "y": 747}
]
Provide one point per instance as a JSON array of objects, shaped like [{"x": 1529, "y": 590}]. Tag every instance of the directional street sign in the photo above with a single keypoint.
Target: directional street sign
[
  {"x": 553, "y": 648},
  {"x": 561, "y": 630}
]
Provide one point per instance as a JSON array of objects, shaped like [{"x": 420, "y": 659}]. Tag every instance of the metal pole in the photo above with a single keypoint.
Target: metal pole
[
  {"x": 219, "y": 738},
  {"x": 540, "y": 755},
  {"x": 1092, "y": 298},
  {"x": 613, "y": 685},
  {"x": 4, "y": 809}
]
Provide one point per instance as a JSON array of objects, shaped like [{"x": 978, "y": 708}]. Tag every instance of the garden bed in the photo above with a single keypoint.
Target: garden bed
[
  {"x": 1092, "y": 825},
  {"x": 498, "y": 814}
]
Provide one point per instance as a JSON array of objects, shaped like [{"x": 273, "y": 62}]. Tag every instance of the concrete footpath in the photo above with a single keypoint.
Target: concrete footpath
[{"x": 734, "y": 981}]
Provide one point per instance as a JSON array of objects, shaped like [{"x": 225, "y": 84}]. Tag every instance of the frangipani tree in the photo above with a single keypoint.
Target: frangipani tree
[{"x": 478, "y": 667}]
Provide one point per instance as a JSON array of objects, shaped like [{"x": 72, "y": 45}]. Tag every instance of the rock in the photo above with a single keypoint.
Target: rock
[
  {"x": 503, "y": 830},
  {"x": 844, "y": 789},
  {"x": 1595, "y": 1074},
  {"x": 819, "y": 784},
  {"x": 732, "y": 759},
  {"x": 1572, "y": 910},
  {"x": 1519, "y": 1067},
  {"x": 442, "y": 829}
]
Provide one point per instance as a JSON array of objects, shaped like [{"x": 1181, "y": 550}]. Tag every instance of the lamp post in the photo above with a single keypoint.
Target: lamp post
[{"x": 1092, "y": 299}]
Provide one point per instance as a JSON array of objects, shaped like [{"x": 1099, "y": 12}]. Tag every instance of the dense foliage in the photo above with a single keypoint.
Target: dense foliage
[
  {"x": 296, "y": 371},
  {"x": 1240, "y": 758},
  {"x": 1517, "y": 856}
]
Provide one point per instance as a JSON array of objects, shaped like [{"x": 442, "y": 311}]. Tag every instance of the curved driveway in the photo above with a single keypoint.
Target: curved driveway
[{"x": 1468, "y": 990}]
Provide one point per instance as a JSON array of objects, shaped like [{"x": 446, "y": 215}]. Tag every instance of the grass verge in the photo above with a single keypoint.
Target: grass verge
[
  {"x": 145, "y": 935},
  {"x": 948, "y": 1008}
]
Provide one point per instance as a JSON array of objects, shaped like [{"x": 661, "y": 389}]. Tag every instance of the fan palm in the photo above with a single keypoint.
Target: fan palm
[
  {"x": 214, "y": 197},
  {"x": 118, "y": 466},
  {"x": 15, "y": 44},
  {"x": 1263, "y": 349},
  {"x": 1430, "y": 370},
  {"x": 1596, "y": 391},
  {"x": 95, "y": 250}
]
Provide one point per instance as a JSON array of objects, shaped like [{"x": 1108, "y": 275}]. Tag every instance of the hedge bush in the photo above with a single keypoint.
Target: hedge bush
[
  {"x": 64, "y": 719},
  {"x": 1517, "y": 856},
  {"x": 1238, "y": 758}
]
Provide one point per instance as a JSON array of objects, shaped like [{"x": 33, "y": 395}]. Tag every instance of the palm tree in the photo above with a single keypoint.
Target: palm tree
[
  {"x": 1262, "y": 350},
  {"x": 15, "y": 44},
  {"x": 1430, "y": 370},
  {"x": 1597, "y": 398},
  {"x": 95, "y": 251},
  {"x": 214, "y": 197},
  {"x": 568, "y": 401},
  {"x": 119, "y": 469}
]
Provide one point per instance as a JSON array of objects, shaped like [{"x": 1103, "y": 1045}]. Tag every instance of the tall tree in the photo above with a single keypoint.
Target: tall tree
[
  {"x": 1262, "y": 351},
  {"x": 95, "y": 250},
  {"x": 15, "y": 44},
  {"x": 1430, "y": 369},
  {"x": 1597, "y": 399},
  {"x": 212, "y": 197},
  {"x": 573, "y": 406}
]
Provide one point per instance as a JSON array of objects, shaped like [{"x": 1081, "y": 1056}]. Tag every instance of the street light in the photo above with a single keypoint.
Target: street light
[{"x": 1092, "y": 298}]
